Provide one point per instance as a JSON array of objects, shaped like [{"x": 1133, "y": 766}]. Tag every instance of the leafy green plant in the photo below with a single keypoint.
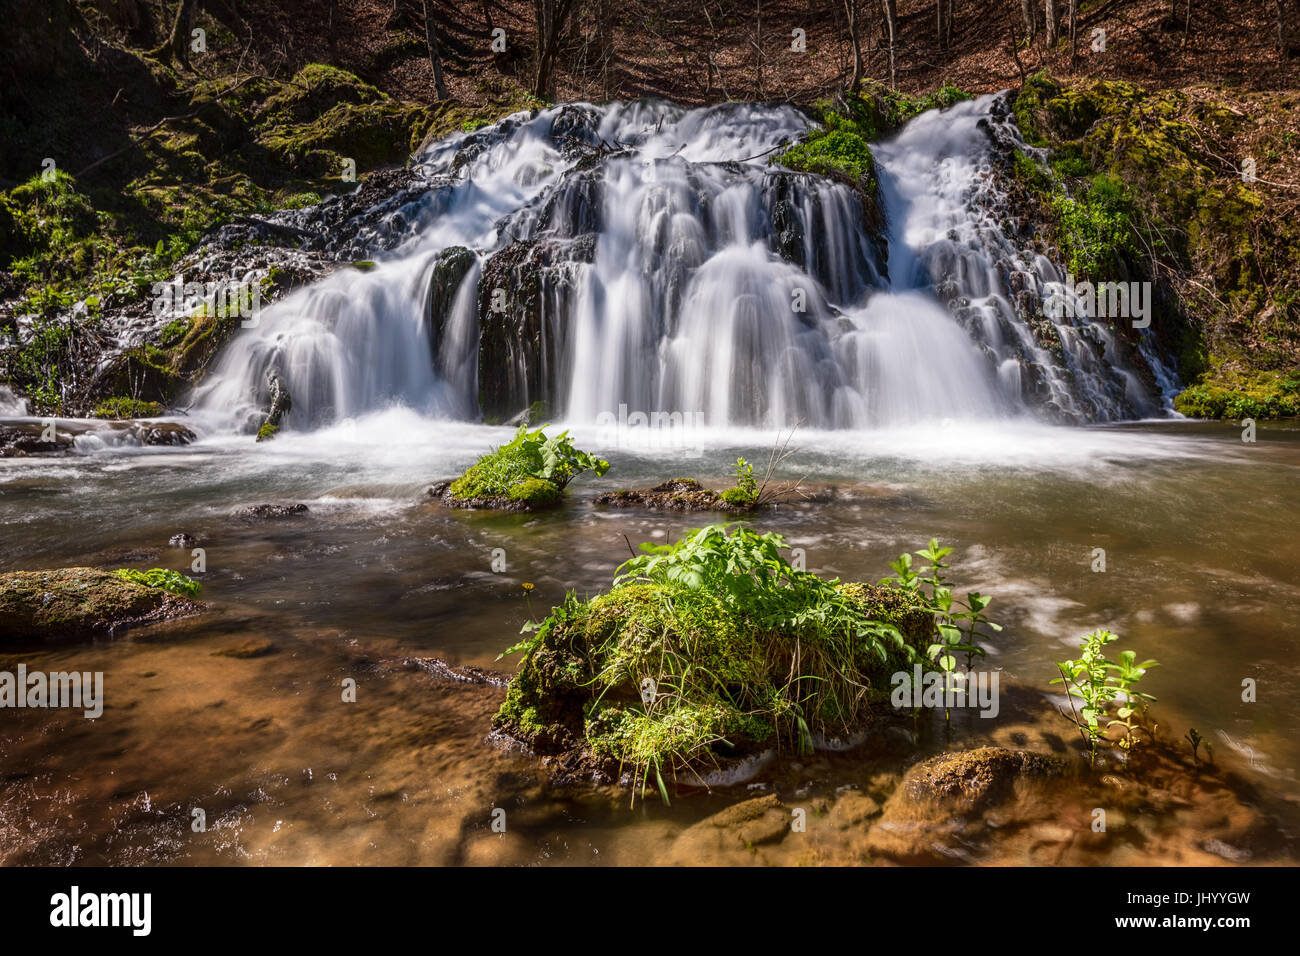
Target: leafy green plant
[
  {"x": 1096, "y": 227},
  {"x": 168, "y": 580},
  {"x": 958, "y": 627},
  {"x": 736, "y": 646},
  {"x": 1099, "y": 684},
  {"x": 530, "y": 468},
  {"x": 745, "y": 492}
]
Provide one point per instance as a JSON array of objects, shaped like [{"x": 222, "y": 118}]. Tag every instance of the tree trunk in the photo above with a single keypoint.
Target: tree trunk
[
  {"x": 1053, "y": 24},
  {"x": 889, "y": 9},
  {"x": 605, "y": 42},
  {"x": 177, "y": 45},
  {"x": 551, "y": 16},
  {"x": 851, "y": 20},
  {"x": 435, "y": 60},
  {"x": 1028, "y": 13},
  {"x": 1074, "y": 16}
]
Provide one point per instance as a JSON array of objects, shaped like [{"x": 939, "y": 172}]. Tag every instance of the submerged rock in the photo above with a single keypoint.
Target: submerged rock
[
  {"x": 268, "y": 512},
  {"x": 78, "y": 602},
  {"x": 971, "y": 780}
]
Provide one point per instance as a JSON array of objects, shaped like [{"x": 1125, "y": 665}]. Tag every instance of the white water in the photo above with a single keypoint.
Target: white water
[{"x": 684, "y": 305}]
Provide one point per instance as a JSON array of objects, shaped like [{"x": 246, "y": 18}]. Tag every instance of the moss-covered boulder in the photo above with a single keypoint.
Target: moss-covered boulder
[
  {"x": 79, "y": 602},
  {"x": 712, "y": 648},
  {"x": 528, "y": 473}
]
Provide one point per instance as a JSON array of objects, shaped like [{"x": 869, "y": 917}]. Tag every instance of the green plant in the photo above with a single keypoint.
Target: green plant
[
  {"x": 934, "y": 591},
  {"x": 123, "y": 406},
  {"x": 745, "y": 492},
  {"x": 530, "y": 468},
  {"x": 705, "y": 646},
  {"x": 1096, "y": 226},
  {"x": 172, "y": 581},
  {"x": 1099, "y": 684}
]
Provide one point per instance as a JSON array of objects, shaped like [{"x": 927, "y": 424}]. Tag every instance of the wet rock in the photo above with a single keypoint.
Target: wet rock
[
  {"x": 271, "y": 512},
  {"x": 244, "y": 650},
  {"x": 183, "y": 540},
  {"x": 26, "y": 439},
  {"x": 21, "y": 439},
  {"x": 163, "y": 433},
  {"x": 852, "y": 809},
  {"x": 971, "y": 780},
  {"x": 466, "y": 674},
  {"x": 1227, "y": 851},
  {"x": 449, "y": 270},
  {"x": 761, "y": 821},
  {"x": 678, "y": 494},
  {"x": 281, "y": 405},
  {"x": 525, "y": 297},
  {"x": 66, "y": 603}
]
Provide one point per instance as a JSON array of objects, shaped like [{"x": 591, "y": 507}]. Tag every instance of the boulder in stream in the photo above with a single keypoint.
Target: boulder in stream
[{"x": 65, "y": 603}]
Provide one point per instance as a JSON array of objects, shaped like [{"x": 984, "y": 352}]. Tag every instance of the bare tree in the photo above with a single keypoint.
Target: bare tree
[
  {"x": 1074, "y": 16},
  {"x": 1288, "y": 26},
  {"x": 435, "y": 59},
  {"x": 1029, "y": 13},
  {"x": 551, "y": 15},
  {"x": 889, "y": 14},
  {"x": 851, "y": 21},
  {"x": 177, "y": 44},
  {"x": 1053, "y": 24}
]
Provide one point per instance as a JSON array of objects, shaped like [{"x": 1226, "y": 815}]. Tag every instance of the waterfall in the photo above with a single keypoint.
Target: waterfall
[{"x": 645, "y": 256}]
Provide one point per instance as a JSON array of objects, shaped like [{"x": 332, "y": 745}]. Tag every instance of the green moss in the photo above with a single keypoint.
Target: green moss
[
  {"x": 301, "y": 200},
  {"x": 267, "y": 432},
  {"x": 836, "y": 152},
  {"x": 1138, "y": 189},
  {"x": 530, "y": 470},
  {"x": 167, "y": 580},
  {"x": 123, "y": 406},
  {"x": 534, "y": 491},
  {"x": 710, "y": 647},
  {"x": 739, "y": 497},
  {"x": 1095, "y": 227},
  {"x": 69, "y": 602},
  {"x": 175, "y": 331},
  {"x": 1243, "y": 395}
]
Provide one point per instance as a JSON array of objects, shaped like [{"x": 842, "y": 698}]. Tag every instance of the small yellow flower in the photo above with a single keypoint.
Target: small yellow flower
[{"x": 528, "y": 585}]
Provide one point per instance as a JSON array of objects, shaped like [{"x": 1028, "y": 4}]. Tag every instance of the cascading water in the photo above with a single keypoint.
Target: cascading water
[{"x": 644, "y": 256}]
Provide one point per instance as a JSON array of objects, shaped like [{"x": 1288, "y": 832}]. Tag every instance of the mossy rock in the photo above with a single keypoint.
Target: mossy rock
[
  {"x": 79, "y": 602},
  {"x": 969, "y": 781},
  {"x": 580, "y": 684}
]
